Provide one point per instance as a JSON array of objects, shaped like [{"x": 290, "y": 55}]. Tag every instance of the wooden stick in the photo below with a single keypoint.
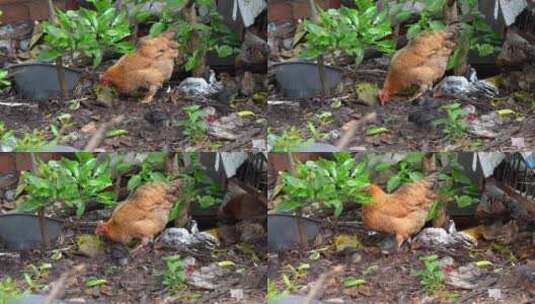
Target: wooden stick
[
  {"x": 41, "y": 211},
  {"x": 18, "y": 104},
  {"x": 317, "y": 288},
  {"x": 59, "y": 61},
  {"x": 100, "y": 135},
  {"x": 58, "y": 287},
  {"x": 352, "y": 129}
]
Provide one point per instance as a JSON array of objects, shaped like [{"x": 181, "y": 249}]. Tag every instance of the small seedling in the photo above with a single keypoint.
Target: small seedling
[
  {"x": 174, "y": 275},
  {"x": 455, "y": 124},
  {"x": 194, "y": 125},
  {"x": 431, "y": 277},
  {"x": 353, "y": 282},
  {"x": 94, "y": 281},
  {"x": 374, "y": 130},
  {"x": 289, "y": 140},
  {"x": 9, "y": 290},
  {"x": 273, "y": 292},
  {"x": 33, "y": 274},
  {"x": 3, "y": 78},
  {"x": 316, "y": 133}
]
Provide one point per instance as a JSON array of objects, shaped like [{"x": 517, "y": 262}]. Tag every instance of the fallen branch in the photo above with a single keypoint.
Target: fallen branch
[
  {"x": 58, "y": 287},
  {"x": 99, "y": 136},
  {"x": 18, "y": 104},
  {"x": 352, "y": 129},
  {"x": 318, "y": 286}
]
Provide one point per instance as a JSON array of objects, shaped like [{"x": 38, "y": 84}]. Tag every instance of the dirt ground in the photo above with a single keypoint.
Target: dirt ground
[
  {"x": 148, "y": 127},
  {"x": 402, "y": 135},
  {"x": 390, "y": 276},
  {"x": 139, "y": 280}
]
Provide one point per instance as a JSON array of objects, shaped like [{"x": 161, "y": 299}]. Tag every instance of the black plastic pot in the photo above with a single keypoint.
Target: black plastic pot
[
  {"x": 300, "y": 80},
  {"x": 32, "y": 299},
  {"x": 283, "y": 232},
  {"x": 20, "y": 231},
  {"x": 293, "y": 299},
  {"x": 39, "y": 81},
  {"x": 317, "y": 147}
]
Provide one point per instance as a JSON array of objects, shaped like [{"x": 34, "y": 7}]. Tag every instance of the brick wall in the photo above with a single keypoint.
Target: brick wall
[
  {"x": 25, "y": 10},
  {"x": 282, "y": 10},
  {"x": 15, "y": 162}
]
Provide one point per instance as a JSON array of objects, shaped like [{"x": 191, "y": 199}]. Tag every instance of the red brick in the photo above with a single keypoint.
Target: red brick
[
  {"x": 24, "y": 10},
  {"x": 330, "y": 3},
  {"x": 300, "y": 9},
  {"x": 279, "y": 11}
]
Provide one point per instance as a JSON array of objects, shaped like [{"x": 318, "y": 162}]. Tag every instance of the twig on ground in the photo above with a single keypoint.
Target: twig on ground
[
  {"x": 352, "y": 129},
  {"x": 58, "y": 287},
  {"x": 18, "y": 104},
  {"x": 318, "y": 286},
  {"x": 100, "y": 135}
]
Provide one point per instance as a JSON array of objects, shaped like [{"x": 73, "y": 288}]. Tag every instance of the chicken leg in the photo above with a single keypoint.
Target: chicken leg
[{"x": 153, "y": 89}]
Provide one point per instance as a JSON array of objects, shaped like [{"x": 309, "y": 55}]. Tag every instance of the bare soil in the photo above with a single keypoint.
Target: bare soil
[
  {"x": 143, "y": 133},
  {"x": 139, "y": 280},
  {"x": 390, "y": 276},
  {"x": 402, "y": 135}
]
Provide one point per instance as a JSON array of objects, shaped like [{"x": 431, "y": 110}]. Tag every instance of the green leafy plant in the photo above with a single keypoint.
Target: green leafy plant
[
  {"x": 455, "y": 124},
  {"x": 431, "y": 277},
  {"x": 290, "y": 139},
  {"x": 94, "y": 281},
  {"x": 197, "y": 187},
  {"x": 3, "y": 78},
  {"x": 475, "y": 34},
  {"x": 194, "y": 125},
  {"x": 211, "y": 32},
  {"x": 32, "y": 141},
  {"x": 9, "y": 290},
  {"x": 408, "y": 169},
  {"x": 330, "y": 183},
  {"x": 349, "y": 30},
  {"x": 455, "y": 186},
  {"x": 148, "y": 172},
  {"x": 34, "y": 274},
  {"x": 274, "y": 294},
  {"x": 293, "y": 276},
  {"x": 426, "y": 21},
  {"x": 88, "y": 31},
  {"x": 70, "y": 182},
  {"x": 174, "y": 275}
]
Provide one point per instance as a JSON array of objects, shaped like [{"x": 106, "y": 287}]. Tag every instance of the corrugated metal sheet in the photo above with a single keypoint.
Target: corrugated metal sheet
[
  {"x": 249, "y": 10},
  {"x": 510, "y": 9}
]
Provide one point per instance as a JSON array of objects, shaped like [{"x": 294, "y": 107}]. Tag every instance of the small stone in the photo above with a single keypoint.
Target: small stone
[
  {"x": 356, "y": 258},
  {"x": 10, "y": 195},
  {"x": 495, "y": 293}
]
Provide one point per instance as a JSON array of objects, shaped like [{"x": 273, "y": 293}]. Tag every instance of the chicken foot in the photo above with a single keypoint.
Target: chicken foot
[
  {"x": 144, "y": 242},
  {"x": 421, "y": 91},
  {"x": 153, "y": 89}
]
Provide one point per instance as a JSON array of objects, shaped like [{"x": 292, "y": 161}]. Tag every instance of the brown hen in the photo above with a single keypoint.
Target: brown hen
[
  {"x": 403, "y": 212},
  {"x": 421, "y": 62},
  {"x": 148, "y": 67},
  {"x": 142, "y": 215}
]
